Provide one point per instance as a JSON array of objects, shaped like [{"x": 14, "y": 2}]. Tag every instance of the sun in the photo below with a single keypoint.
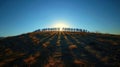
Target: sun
[{"x": 60, "y": 24}]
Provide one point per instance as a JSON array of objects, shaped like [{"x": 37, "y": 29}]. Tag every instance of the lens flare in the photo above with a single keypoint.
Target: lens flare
[{"x": 61, "y": 24}]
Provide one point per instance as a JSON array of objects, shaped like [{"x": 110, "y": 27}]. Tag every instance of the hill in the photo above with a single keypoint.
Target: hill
[{"x": 60, "y": 49}]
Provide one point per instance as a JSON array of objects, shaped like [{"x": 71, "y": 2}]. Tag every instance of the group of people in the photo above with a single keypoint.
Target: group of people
[{"x": 63, "y": 29}]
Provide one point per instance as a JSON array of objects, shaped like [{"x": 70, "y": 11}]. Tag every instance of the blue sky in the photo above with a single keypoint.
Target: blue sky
[{"x": 22, "y": 16}]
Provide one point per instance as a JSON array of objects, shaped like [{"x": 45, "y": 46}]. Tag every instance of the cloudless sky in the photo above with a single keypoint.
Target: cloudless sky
[{"x": 22, "y": 16}]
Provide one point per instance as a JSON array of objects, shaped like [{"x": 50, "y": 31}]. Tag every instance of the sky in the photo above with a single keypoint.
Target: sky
[{"x": 22, "y": 16}]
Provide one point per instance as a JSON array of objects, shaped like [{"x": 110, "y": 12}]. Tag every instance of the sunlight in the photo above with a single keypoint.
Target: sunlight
[{"x": 60, "y": 24}]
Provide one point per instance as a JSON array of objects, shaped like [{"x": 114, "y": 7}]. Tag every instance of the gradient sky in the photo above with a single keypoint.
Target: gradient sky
[{"x": 22, "y": 16}]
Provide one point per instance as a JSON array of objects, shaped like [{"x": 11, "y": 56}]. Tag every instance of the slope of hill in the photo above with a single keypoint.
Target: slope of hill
[
  {"x": 60, "y": 49},
  {"x": 1, "y": 38}
]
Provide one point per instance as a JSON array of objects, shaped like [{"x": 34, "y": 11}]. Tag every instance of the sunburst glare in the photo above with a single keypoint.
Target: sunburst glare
[{"x": 60, "y": 24}]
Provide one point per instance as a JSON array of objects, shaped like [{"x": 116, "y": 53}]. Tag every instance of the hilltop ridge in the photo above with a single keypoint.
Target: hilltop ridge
[{"x": 60, "y": 49}]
